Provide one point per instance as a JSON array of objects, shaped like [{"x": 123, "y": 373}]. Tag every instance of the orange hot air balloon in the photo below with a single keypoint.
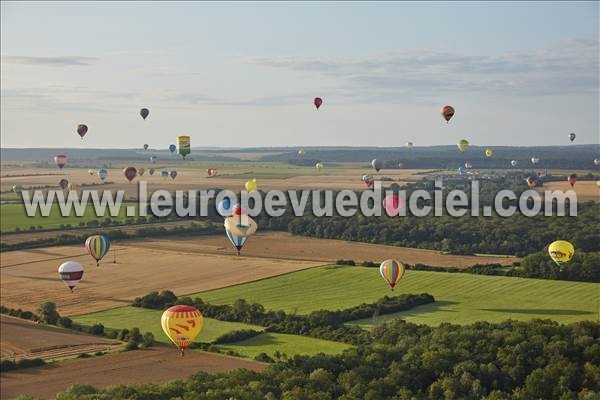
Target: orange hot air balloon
[
  {"x": 572, "y": 179},
  {"x": 447, "y": 112},
  {"x": 130, "y": 173},
  {"x": 317, "y": 102},
  {"x": 182, "y": 324}
]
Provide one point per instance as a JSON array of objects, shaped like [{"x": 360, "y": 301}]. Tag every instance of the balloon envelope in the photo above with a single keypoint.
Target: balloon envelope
[
  {"x": 317, "y": 102},
  {"x": 97, "y": 246},
  {"x": 151, "y": 171},
  {"x": 391, "y": 271},
  {"x": 173, "y": 174},
  {"x": 130, "y": 173},
  {"x": 319, "y": 166},
  {"x": 392, "y": 204},
  {"x": 182, "y": 324},
  {"x": 145, "y": 147},
  {"x": 144, "y": 112},
  {"x": 463, "y": 145},
  {"x": 141, "y": 171},
  {"x": 239, "y": 227},
  {"x": 183, "y": 145},
  {"x": 572, "y": 136},
  {"x": 102, "y": 173},
  {"x": 70, "y": 273},
  {"x": 225, "y": 207},
  {"x": 572, "y": 179},
  {"x": 561, "y": 252},
  {"x": 250, "y": 185},
  {"x": 82, "y": 130},
  {"x": 60, "y": 160},
  {"x": 489, "y": 152},
  {"x": 172, "y": 148},
  {"x": 63, "y": 183},
  {"x": 376, "y": 164},
  {"x": 447, "y": 112},
  {"x": 514, "y": 163}
]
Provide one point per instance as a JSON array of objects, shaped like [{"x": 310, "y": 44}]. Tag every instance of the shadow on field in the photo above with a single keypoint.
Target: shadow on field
[
  {"x": 438, "y": 306},
  {"x": 538, "y": 311}
]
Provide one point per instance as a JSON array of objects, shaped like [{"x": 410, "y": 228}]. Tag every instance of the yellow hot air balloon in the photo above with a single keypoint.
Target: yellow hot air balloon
[
  {"x": 463, "y": 145},
  {"x": 182, "y": 324},
  {"x": 72, "y": 187},
  {"x": 489, "y": 152},
  {"x": 251, "y": 185},
  {"x": 561, "y": 252}
]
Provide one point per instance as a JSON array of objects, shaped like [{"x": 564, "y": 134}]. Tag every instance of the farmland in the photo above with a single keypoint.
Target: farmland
[{"x": 460, "y": 298}]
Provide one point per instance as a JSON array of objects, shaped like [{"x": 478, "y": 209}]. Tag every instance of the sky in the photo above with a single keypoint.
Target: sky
[{"x": 245, "y": 74}]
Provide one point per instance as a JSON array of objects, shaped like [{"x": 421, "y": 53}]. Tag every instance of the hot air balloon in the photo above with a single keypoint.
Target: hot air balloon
[
  {"x": 392, "y": 204},
  {"x": 153, "y": 159},
  {"x": 596, "y": 161},
  {"x": 181, "y": 324},
  {"x": 317, "y": 102},
  {"x": 172, "y": 148},
  {"x": 141, "y": 171},
  {"x": 409, "y": 145},
  {"x": 97, "y": 246},
  {"x": 535, "y": 160},
  {"x": 531, "y": 181},
  {"x": 211, "y": 172},
  {"x": 461, "y": 170},
  {"x": 183, "y": 146},
  {"x": 463, "y": 145},
  {"x": 91, "y": 171},
  {"x": 572, "y": 136},
  {"x": 145, "y": 146},
  {"x": 319, "y": 166},
  {"x": 489, "y": 153},
  {"x": 144, "y": 112},
  {"x": 151, "y": 171},
  {"x": 250, "y": 185},
  {"x": 391, "y": 271},
  {"x": 561, "y": 252},
  {"x": 376, "y": 164},
  {"x": 82, "y": 130},
  {"x": 238, "y": 225},
  {"x": 173, "y": 174},
  {"x": 400, "y": 165},
  {"x": 102, "y": 173},
  {"x": 572, "y": 179},
  {"x": 367, "y": 180},
  {"x": 468, "y": 165},
  {"x": 237, "y": 241},
  {"x": 237, "y": 209},
  {"x": 225, "y": 207},
  {"x": 63, "y": 183},
  {"x": 72, "y": 187},
  {"x": 60, "y": 160},
  {"x": 70, "y": 273},
  {"x": 514, "y": 163},
  {"x": 130, "y": 173},
  {"x": 447, "y": 112},
  {"x": 164, "y": 174},
  {"x": 301, "y": 153}
]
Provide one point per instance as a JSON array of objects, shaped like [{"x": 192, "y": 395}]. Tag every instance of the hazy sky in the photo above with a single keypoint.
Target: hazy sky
[{"x": 245, "y": 74}]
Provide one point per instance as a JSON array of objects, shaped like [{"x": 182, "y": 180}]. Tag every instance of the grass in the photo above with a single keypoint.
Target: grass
[
  {"x": 460, "y": 298},
  {"x": 149, "y": 321},
  {"x": 13, "y": 216},
  {"x": 289, "y": 344}
]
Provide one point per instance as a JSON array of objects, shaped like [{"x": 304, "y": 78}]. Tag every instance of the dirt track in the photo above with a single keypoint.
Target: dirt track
[
  {"x": 25, "y": 339},
  {"x": 154, "y": 365}
]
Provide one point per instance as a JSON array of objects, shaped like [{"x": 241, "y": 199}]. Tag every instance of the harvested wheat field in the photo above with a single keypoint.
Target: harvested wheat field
[
  {"x": 287, "y": 246},
  {"x": 29, "y": 277},
  {"x": 154, "y": 365},
  {"x": 25, "y": 339},
  {"x": 586, "y": 190}
]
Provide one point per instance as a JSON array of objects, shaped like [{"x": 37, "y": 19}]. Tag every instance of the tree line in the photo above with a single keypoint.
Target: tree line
[
  {"x": 322, "y": 324},
  {"x": 539, "y": 359}
]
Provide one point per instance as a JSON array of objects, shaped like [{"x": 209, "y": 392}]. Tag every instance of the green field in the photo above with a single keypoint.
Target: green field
[
  {"x": 149, "y": 321},
  {"x": 288, "y": 344},
  {"x": 460, "y": 298},
  {"x": 13, "y": 216}
]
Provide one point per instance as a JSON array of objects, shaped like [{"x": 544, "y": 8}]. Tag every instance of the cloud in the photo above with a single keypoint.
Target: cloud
[
  {"x": 570, "y": 67},
  {"x": 59, "y": 61}
]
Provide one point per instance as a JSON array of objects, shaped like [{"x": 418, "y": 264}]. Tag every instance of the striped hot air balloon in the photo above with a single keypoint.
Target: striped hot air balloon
[
  {"x": 70, "y": 273},
  {"x": 97, "y": 246},
  {"x": 392, "y": 271},
  {"x": 237, "y": 241},
  {"x": 182, "y": 323}
]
